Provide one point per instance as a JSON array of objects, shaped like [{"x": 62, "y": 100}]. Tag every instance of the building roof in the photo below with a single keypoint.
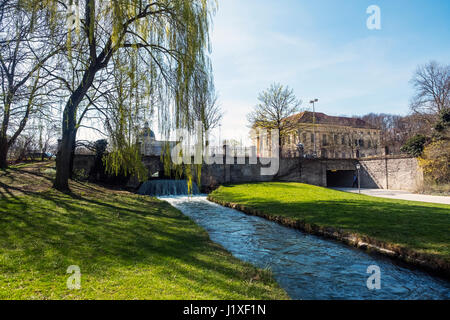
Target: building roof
[{"x": 322, "y": 118}]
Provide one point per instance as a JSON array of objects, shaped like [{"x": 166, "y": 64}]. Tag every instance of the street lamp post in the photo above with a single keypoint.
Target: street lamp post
[
  {"x": 314, "y": 123},
  {"x": 358, "y": 167},
  {"x": 300, "y": 148}
]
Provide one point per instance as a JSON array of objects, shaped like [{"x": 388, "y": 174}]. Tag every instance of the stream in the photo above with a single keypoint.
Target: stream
[{"x": 307, "y": 266}]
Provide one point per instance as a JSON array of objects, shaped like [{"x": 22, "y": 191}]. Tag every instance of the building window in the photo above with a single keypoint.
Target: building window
[
  {"x": 343, "y": 155},
  {"x": 369, "y": 144},
  {"x": 343, "y": 139},
  {"x": 304, "y": 137},
  {"x": 312, "y": 137},
  {"x": 324, "y": 140},
  {"x": 361, "y": 143}
]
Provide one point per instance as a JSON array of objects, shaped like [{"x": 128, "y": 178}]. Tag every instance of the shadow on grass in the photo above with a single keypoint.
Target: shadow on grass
[
  {"x": 102, "y": 231},
  {"x": 24, "y": 180}
]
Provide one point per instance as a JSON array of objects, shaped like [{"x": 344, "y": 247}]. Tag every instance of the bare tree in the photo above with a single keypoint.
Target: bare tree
[
  {"x": 397, "y": 129},
  {"x": 21, "y": 147},
  {"x": 26, "y": 45},
  {"x": 48, "y": 133},
  {"x": 432, "y": 85},
  {"x": 206, "y": 108},
  {"x": 275, "y": 105}
]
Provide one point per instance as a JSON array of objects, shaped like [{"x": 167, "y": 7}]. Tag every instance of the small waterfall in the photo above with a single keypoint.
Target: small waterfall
[{"x": 167, "y": 188}]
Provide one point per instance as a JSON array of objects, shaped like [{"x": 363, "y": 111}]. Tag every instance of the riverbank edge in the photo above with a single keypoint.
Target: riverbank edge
[{"x": 411, "y": 257}]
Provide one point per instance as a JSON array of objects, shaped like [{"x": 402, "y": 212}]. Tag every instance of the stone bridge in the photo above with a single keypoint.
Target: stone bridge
[{"x": 384, "y": 173}]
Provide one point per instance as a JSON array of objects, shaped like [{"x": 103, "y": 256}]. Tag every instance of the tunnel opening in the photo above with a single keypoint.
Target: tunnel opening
[{"x": 340, "y": 178}]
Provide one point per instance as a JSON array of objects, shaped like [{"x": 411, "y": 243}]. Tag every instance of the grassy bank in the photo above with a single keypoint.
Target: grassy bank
[
  {"x": 127, "y": 247},
  {"x": 417, "y": 227}
]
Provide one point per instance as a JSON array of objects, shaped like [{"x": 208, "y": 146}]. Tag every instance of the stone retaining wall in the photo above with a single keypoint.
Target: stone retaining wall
[
  {"x": 392, "y": 173},
  {"x": 383, "y": 173}
]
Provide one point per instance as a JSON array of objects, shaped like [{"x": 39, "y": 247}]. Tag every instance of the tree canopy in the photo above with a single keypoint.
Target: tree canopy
[
  {"x": 29, "y": 52},
  {"x": 275, "y": 104},
  {"x": 150, "y": 54},
  {"x": 432, "y": 85}
]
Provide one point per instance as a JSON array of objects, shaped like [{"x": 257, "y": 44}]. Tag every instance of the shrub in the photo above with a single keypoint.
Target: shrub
[
  {"x": 415, "y": 145},
  {"x": 98, "y": 170},
  {"x": 80, "y": 175},
  {"x": 435, "y": 161},
  {"x": 444, "y": 122}
]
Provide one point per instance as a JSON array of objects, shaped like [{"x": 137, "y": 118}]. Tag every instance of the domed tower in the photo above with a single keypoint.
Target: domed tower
[{"x": 147, "y": 138}]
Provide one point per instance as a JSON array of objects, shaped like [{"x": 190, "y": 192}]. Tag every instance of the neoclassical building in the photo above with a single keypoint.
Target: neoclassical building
[{"x": 324, "y": 136}]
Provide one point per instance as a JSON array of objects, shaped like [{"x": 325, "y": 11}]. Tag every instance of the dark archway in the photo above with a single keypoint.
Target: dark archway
[{"x": 340, "y": 178}]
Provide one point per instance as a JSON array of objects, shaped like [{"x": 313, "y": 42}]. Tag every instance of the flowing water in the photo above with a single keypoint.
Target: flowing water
[
  {"x": 167, "y": 187},
  {"x": 306, "y": 266}
]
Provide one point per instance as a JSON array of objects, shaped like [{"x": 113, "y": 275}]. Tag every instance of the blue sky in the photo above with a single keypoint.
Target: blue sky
[{"x": 323, "y": 49}]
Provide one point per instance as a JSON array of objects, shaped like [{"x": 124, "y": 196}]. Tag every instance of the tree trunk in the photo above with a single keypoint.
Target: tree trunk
[
  {"x": 3, "y": 153},
  {"x": 69, "y": 131},
  {"x": 63, "y": 161},
  {"x": 72, "y": 153},
  {"x": 280, "y": 146},
  {"x": 64, "y": 155}
]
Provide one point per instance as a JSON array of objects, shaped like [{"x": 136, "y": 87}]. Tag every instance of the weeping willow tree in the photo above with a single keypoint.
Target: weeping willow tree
[
  {"x": 163, "y": 45},
  {"x": 126, "y": 109}
]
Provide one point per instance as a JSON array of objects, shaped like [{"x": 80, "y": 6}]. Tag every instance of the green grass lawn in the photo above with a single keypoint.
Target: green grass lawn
[
  {"x": 127, "y": 247},
  {"x": 422, "y": 227}
]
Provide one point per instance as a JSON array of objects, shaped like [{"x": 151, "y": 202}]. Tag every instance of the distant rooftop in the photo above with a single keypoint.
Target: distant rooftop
[{"x": 322, "y": 118}]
